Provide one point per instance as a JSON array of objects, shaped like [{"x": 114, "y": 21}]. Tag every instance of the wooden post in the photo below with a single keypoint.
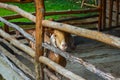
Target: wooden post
[
  {"x": 110, "y": 13},
  {"x": 117, "y": 12},
  {"x": 103, "y": 14},
  {"x": 100, "y": 16},
  {"x": 39, "y": 38}
]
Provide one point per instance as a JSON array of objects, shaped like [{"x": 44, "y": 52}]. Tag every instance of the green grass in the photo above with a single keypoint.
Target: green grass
[
  {"x": 29, "y": 7},
  {"x": 61, "y": 5},
  {"x": 50, "y": 5}
]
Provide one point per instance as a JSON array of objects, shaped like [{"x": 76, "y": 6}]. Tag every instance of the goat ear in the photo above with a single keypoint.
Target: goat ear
[{"x": 49, "y": 31}]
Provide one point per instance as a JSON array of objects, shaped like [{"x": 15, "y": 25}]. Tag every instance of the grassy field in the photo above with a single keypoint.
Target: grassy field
[{"x": 50, "y": 5}]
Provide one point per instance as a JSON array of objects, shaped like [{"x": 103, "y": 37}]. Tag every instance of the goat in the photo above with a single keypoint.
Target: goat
[{"x": 55, "y": 38}]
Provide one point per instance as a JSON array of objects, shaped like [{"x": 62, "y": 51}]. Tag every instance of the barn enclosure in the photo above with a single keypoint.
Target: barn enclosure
[{"x": 97, "y": 52}]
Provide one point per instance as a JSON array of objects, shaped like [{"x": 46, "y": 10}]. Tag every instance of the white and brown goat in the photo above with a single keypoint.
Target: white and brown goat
[{"x": 57, "y": 39}]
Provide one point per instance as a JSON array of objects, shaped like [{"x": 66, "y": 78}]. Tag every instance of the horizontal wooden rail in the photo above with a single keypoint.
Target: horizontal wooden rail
[
  {"x": 91, "y": 34},
  {"x": 77, "y": 18},
  {"x": 82, "y": 23},
  {"x": 73, "y": 12},
  {"x": 15, "y": 16}
]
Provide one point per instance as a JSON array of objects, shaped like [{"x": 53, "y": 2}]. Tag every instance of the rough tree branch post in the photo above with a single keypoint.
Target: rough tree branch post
[{"x": 39, "y": 39}]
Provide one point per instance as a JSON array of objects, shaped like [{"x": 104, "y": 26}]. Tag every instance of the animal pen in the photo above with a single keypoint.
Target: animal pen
[{"x": 37, "y": 57}]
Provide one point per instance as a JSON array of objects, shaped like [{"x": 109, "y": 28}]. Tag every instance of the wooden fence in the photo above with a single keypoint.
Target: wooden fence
[{"x": 105, "y": 38}]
